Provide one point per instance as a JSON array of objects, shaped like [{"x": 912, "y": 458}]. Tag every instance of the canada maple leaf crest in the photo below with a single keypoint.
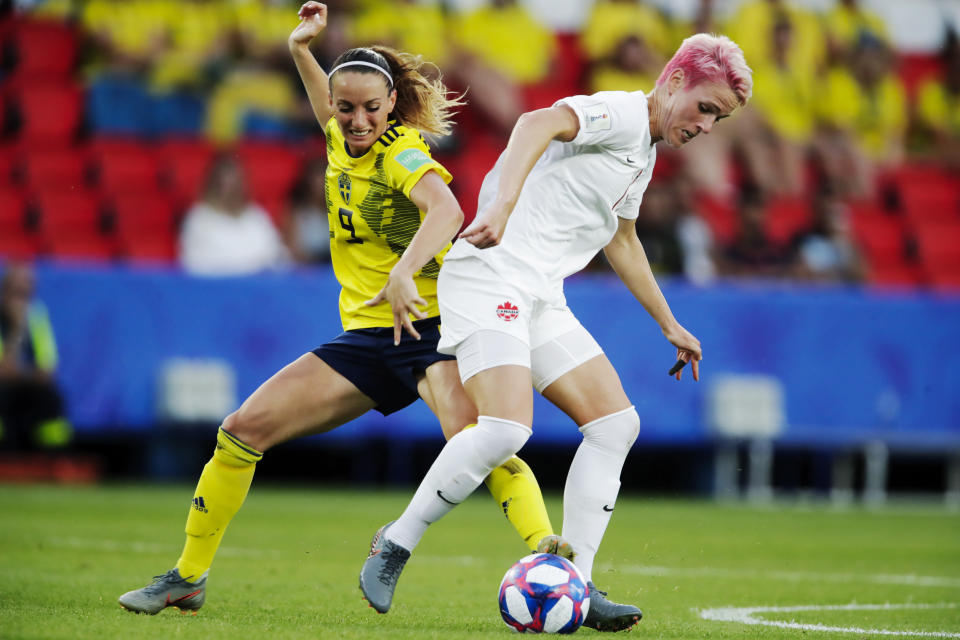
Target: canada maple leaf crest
[{"x": 507, "y": 311}]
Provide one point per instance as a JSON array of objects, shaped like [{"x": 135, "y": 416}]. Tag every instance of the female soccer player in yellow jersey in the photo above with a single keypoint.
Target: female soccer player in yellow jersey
[{"x": 392, "y": 217}]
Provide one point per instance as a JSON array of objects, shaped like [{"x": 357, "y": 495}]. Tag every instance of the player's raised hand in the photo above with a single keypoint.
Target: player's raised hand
[
  {"x": 688, "y": 350},
  {"x": 313, "y": 20},
  {"x": 486, "y": 230},
  {"x": 402, "y": 295}
]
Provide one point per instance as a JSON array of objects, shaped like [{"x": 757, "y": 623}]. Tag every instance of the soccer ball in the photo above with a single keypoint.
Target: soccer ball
[{"x": 544, "y": 593}]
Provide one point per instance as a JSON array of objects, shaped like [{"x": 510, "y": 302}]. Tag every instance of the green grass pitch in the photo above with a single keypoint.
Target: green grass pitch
[{"x": 289, "y": 562}]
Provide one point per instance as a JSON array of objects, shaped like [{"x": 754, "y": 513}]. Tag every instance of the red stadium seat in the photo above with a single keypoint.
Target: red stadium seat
[
  {"x": 144, "y": 212},
  {"x": 786, "y": 217},
  {"x": 70, "y": 211},
  {"x": 71, "y": 225},
  {"x": 101, "y": 145},
  {"x": 276, "y": 207},
  {"x": 469, "y": 169},
  {"x": 571, "y": 63},
  {"x": 44, "y": 48},
  {"x": 13, "y": 210},
  {"x": 50, "y": 113},
  {"x": 720, "y": 215},
  {"x": 931, "y": 200},
  {"x": 271, "y": 169},
  {"x": 20, "y": 246},
  {"x": 914, "y": 68},
  {"x": 80, "y": 247},
  {"x": 7, "y": 161},
  {"x": 866, "y": 208},
  {"x": 173, "y": 148},
  {"x": 16, "y": 241},
  {"x": 184, "y": 165},
  {"x": 881, "y": 237},
  {"x": 565, "y": 77},
  {"x": 901, "y": 274},
  {"x": 145, "y": 227},
  {"x": 149, "y": 249},
  {"x": 57, "y": 170},
  {"x": 937, "y": 247},
  {"x": 127, "y": 168},
  {"x": 945, "y": 280}
]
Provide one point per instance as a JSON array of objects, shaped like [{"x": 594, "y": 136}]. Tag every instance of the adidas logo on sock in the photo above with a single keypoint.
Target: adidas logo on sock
[
  {"x": 505, "y": 505},
  {"x": 198, "y": 504}
]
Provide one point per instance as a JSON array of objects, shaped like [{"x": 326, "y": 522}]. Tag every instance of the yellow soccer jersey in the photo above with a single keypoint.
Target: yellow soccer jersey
[
  {"x": 373, "y": 220},
  {"x": 938, "y": 108}
]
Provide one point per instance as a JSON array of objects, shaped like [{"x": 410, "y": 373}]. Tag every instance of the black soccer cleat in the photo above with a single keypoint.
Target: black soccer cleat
[{"x": 609, "y": 616}]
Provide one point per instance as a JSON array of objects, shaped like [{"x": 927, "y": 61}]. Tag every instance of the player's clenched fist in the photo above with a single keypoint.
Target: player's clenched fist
[
  {"x": 313, "y": 19},
  {"x": 487, "y": 229}
]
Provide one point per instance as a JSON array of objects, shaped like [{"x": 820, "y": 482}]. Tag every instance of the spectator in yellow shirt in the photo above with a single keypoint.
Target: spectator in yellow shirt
[
  {"x": 262, "y": 27},
  {"x": 495, "y": 50},
  {"x": 633, "y": 66},
  {"x": 846, "y": 22},
  {"x": 752, "y": 23},
  {"x": 200, "y": 34},
  {"x": 406, "y": 25},
  {"x": 124, "y": 36},
  {"x": 780, "y": 116},
  {"x": 612, "y": 21},
  {"x": 938, "y": 107},
  {"x": 862, "y": 111},
  {"x": 505, "y": 37},
  {"x": 257, "y": 80}
]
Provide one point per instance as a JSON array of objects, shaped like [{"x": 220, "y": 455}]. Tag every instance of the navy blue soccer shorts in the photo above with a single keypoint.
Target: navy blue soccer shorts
[{"x": 385, "y": 372}]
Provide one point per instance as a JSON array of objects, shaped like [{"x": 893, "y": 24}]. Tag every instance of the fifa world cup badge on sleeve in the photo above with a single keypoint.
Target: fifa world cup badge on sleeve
[
  {"x": 597, "y": 117},
  {"x": 412, "y": 159}
]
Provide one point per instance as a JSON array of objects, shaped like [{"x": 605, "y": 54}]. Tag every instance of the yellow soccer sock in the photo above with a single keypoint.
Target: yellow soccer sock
[
  {"x": 515, "y": 489},
  {"x": 222, "y": 488}
]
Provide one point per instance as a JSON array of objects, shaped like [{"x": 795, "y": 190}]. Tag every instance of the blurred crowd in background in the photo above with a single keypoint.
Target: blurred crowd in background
[{"x": 177, "y": 131}]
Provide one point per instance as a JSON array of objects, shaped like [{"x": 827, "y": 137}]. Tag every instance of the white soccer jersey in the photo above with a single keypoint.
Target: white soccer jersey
[{"x": 569, "y": 205}]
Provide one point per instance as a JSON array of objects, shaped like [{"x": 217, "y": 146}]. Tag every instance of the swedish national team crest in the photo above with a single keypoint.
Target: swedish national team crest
[{"x": 343, "y": 182}]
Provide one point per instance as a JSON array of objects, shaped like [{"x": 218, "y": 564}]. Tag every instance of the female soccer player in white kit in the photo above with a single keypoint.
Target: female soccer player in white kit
[{"x": 569, "y": 183}]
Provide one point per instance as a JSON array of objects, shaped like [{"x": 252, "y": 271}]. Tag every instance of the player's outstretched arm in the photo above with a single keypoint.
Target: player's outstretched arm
[
  {"x": 531, "y": 135},
  {"x": 313, "y": 20},
  {"x": 629, "y": 260},
  {"x": 442, "y": 218}
]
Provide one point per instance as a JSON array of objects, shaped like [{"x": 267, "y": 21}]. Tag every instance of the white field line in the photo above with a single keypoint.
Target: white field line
[
  {"x": 746, "y": 615},
  {"x": 136, "y": 546},
  {"x": 788, "y": 576},
  {"x": 711, "y": 572}
]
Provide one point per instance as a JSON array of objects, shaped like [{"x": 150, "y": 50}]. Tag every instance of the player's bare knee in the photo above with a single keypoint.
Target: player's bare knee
[
  {"x": 250, "y": 427},
  {"x": 615, "y": 432}
]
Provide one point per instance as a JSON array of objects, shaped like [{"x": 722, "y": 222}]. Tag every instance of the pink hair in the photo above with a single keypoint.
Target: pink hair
[{"x": 711, "y": 58}]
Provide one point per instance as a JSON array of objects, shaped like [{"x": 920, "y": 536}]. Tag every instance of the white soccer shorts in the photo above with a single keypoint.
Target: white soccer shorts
[{"x": 487, "y": 322}]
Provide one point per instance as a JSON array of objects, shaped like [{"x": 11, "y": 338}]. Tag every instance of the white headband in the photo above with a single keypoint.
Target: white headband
[{"x": 363, "y": 64}]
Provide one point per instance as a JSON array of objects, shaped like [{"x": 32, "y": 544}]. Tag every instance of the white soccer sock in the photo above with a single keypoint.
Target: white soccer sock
[
  {"x": 464, "y": 462},
  {"x": 593, "y": 482}
]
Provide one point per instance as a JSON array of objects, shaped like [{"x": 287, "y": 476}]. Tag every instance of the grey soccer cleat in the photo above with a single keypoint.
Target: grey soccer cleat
[
  {"x": 381, "y": 570},
  {"x": 168, "y": 590},
  {"x": 609, "y": 616},
  {"x": 557, "y": 545}
]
